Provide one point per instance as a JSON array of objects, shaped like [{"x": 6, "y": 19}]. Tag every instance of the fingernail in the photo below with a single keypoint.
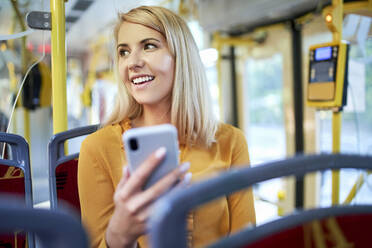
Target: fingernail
[
  {"x": 126, "y": 171},
  {"x": 187, "y": 178},
  {"x": 184, "y": 167},
  {"x": 160, "y": 152}
]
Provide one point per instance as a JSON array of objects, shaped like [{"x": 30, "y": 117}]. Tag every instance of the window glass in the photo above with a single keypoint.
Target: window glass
[
  {"x": 264, "y": 125},
  {"x": 356, "y": 131},
  {"x": 264, "y": 102},
  {"x": 209, "y": 58}
]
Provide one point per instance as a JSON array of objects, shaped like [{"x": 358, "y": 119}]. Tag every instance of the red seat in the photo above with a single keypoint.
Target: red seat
[
  {"x": 63, "y": 185},
  {"x": 335, "y": 226},
  {"x": 53, "y": 228},
  {"x": 340, "y": 231},
  {"x": 66, "y": 183},
  {"x": 15, "y": 180},
  {"x": 12, "y": 182}
]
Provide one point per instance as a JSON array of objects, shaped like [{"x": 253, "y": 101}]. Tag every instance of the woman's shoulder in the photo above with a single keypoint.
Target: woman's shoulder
[
  {"x": 103, "y": 136},
  {"x": 232, "y": 142},
  {"x": 228, "y": 133}
]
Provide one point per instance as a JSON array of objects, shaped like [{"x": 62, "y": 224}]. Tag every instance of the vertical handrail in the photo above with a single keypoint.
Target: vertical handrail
[
  {"x": 337, "y": 114},
  {"x": 57, "y": 8},
  {"x": 336, "y": 145}
]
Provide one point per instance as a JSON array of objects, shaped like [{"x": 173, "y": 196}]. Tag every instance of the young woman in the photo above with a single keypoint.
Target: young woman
[{"x": 162, "y": 80}]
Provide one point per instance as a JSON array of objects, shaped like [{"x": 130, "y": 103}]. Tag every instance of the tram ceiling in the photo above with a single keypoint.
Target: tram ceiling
[
  {"x": 74, "y": 10},
  {"x": 86, "y": 19},
  {"x": 97, "y": 20},
  {"x": 242, "y": 16}
]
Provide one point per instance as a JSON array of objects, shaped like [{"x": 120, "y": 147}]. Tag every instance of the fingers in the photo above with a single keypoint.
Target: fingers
[
  {"x": 124, "y": 177},
  {"x": 126, "y": 172},
  {"x": 169, "y": 180},
  {"x": 186, "y": 180},
  {"x": 144, "y": 215},
  {"x": 144, "y": 171}
]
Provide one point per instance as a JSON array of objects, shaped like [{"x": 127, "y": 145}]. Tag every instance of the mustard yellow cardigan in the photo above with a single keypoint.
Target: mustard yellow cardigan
[{"x": 100, "y": 169}]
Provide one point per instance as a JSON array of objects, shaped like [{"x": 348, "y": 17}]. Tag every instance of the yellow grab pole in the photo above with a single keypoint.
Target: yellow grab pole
[
  {"x": 354, "y": 190},
  {"x": 57, "y": 8},
  {"x": 337, "y": 16},
  {"x": 336, "y": 136}
]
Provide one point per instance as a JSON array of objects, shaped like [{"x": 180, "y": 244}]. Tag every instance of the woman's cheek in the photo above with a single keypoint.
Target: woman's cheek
[{"x": 122, "y": 73}]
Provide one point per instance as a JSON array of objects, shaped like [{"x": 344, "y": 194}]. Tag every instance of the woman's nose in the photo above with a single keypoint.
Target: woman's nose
[{"x": 135, "y": 61}]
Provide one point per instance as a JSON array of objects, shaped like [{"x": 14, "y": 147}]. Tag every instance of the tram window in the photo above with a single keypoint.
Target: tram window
[
  {"x": 6, "y": 97},
  {"x": 103, "y": 96},
  {"x": 209, "y": 58},
  {"x": 356, "y": 132},
  {"x": 211, "y": 72},
  {"x": 264, "y": 124}
]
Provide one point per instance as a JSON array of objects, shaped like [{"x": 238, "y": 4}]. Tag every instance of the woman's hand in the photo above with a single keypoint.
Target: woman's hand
[{"x": 132, "y": 205}]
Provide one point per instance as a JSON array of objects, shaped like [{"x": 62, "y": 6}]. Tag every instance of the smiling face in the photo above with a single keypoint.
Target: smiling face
[{"x": 145, "y": 64}]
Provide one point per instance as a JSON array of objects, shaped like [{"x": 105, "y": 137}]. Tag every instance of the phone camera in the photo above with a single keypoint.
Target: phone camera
[{"x": 133, "y": 144}]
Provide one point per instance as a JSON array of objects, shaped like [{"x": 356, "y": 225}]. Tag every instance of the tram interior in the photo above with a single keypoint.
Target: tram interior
[{"x": 256, "y": 56}]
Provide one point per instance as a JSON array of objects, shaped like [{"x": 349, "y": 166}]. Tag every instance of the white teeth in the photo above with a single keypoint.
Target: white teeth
[{"x": 142, "y": 79}]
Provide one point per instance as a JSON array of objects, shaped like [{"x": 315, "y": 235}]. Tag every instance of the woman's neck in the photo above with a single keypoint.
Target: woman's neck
[{"x": 152, "y": 116}]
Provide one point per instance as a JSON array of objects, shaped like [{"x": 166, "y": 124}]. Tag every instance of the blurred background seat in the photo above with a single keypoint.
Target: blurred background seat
[
  {"x": 347, "y": 225},
  {"x": 54, "y": 229},
  {"x": 63, "y": 168},
  {"x": 15, "y": 179}
]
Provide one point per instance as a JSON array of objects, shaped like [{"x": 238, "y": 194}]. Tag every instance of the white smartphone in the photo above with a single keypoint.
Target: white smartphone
[{"x": 139, "y": 143}]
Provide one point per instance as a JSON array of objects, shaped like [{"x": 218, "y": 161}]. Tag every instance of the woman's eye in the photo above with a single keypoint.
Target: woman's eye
[
  {"x": 150, "y": 46},
  {"x": 123, "y": 52}
]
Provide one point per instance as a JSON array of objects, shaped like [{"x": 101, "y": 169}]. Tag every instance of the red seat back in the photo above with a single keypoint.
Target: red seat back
[
  {"x": 348, "y": 230},
  {"x": 63, "y": 185},
  {"x": 66, "y": 182},
  {"x": 16, "y": 240},
  {"x": 12, "y": 182}
]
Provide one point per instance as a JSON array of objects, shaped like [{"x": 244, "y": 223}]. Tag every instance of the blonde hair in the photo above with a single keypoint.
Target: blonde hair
[{"x": 191, "y": 110}]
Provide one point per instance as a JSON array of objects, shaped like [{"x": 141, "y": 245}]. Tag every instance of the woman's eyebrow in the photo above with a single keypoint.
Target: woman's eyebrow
[
  {"x": 122, "y": 45},
  {"x": 142, "y": 41},
  {"x": 149, "y": 39}
]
